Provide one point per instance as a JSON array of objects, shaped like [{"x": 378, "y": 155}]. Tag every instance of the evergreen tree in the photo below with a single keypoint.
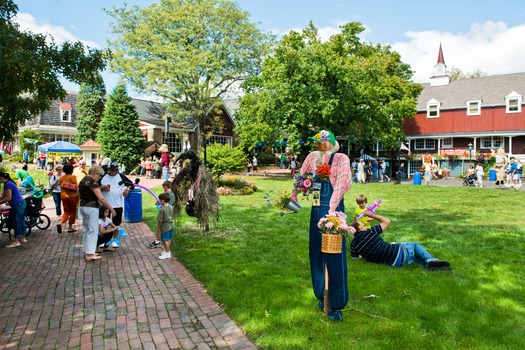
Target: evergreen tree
[
  {"x": 118, "y": 132},
  {"x": 90, "y": 107}
]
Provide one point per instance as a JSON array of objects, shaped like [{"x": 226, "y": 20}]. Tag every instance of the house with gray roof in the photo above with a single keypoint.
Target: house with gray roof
[{"x": 156, "y": 125}]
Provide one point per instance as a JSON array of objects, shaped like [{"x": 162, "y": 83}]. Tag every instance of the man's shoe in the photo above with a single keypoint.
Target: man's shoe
[{"x": 438, "y": 265}]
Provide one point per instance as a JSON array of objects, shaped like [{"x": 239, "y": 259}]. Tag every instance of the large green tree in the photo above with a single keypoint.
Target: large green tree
[
  {"x": 90, "y": 108},
  {"x": 188, "y": 52},
  {"x": 30, "y": 69},
  {"x": 356, "y": 89},
  {"x": 118, "y": 132}
]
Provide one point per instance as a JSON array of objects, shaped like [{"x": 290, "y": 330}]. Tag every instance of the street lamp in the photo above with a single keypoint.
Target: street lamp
[{"x": 470, "y": 152}]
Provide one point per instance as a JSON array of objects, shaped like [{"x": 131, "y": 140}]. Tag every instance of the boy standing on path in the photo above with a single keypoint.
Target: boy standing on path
[{"x": 165, "y": 225}]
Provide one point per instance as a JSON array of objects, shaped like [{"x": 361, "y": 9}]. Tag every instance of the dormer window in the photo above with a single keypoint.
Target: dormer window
[
  {"x": 474, "y": 107},
  {"x": 513, "y": 102},
  {"x": 433, "y": 108},
  {"x": 65, "y": 112}
]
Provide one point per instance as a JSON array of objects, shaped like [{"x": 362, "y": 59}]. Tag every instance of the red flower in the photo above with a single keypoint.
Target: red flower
[{"x": 323, "y": 171}]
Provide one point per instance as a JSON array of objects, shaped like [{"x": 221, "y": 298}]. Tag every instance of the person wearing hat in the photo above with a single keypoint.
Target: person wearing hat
[
  {"x": 331, "y": 191},
  {"x": 165, "y": 161},
  {"x": 115, "y": 187}
]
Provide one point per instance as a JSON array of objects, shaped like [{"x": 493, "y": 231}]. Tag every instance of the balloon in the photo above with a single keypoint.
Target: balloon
[{"x": 153, "y": 194}]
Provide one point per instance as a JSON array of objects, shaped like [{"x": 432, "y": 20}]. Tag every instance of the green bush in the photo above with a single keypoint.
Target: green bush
[
  {"x": 266, "y": 158},
  {"x": 222, "y": 159}
]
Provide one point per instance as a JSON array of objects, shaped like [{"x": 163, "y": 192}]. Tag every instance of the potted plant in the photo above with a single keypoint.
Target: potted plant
[
  {"x": 285, "y": 202},
  {"x": 333, "y": 229}
]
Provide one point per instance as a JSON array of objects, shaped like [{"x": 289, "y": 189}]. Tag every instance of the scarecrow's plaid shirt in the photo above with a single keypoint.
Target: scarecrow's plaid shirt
[{"x": 340, "y": 174}]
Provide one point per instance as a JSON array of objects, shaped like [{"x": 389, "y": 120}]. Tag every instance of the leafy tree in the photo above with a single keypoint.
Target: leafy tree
[
  {"x": 224, "y": 159},
  {"x": 90, "y": 107},
  {"x": 457, "y": 74},
  {"x": 358, "y": 90},
  {"x": 30, "y": 69},
  {"x": 30, "y": 141},
  {"x": 189, "y": 52},
  {"x": 118, "y": 132}
]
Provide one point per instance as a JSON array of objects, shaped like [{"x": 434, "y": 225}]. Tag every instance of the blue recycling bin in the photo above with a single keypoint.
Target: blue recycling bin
[
  {"x": 492, "y": 175},
  {"x": 417, "y": 178},
  {"x": 133, "y": 206}
]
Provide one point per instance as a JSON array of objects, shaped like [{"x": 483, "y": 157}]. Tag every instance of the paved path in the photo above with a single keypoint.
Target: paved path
[{"x": 50, "y": 298}]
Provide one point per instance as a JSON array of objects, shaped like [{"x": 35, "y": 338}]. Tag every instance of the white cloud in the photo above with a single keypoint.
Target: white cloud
[
  {"x": 28, "y": 23},
  {"x": 491, "y": 47}
]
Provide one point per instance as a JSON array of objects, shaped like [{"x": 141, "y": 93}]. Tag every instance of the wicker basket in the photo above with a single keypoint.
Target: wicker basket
[{"x": 331, "y": 244}]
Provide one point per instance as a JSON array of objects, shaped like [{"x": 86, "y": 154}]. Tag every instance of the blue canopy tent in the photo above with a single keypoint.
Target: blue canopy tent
[
  {"x": 366, "y": 157},
  {"x": 60, "y": 149}
]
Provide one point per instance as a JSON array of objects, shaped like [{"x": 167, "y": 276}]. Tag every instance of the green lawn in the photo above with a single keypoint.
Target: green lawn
[{"x": 255, "y": 264}]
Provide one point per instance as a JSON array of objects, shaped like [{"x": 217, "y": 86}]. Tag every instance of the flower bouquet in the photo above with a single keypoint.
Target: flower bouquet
[
  {"x": 283, "y": 200},
  {"x": 333, "y": 229},
  {"x": 304, "y": 183},
  {"x": 323, "y": 171}
]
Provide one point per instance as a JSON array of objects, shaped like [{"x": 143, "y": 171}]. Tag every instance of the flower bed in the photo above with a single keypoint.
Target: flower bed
[{"x": 231, "y": 186}]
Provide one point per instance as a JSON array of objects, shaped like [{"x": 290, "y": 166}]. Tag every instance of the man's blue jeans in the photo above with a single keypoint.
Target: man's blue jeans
[{"x": 414, "y": 252}]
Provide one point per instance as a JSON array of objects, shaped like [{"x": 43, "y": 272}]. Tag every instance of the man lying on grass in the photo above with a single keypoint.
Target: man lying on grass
[{"x": 368, "y": 244}]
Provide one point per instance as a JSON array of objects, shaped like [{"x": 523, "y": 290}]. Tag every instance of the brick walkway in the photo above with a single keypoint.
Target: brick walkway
[{"x": 50, "y": 298}]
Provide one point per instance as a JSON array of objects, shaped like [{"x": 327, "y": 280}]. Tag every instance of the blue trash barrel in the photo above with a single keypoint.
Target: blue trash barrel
[
  {"x": 492, "y": 175},
  {"x": 133, "y": 206},
  {"x": 417, "y": 178}
]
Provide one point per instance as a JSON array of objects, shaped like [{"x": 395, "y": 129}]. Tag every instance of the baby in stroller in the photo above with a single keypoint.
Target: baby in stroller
[
  {"x": 470, "y": 177},
  {"x": 469, "y": 180}
]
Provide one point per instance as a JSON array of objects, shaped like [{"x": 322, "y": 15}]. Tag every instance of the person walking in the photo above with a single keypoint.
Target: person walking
[
  {"x": 69, "y": 197},
  {"x": 479, "y": 174},
  {"x": 330, "y": 190},
  {"x": 361, "y": 172},
  {"x": 165, "y": 161}
]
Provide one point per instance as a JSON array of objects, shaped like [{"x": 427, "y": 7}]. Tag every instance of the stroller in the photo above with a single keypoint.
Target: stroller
[{"x": 469, "y": 180}]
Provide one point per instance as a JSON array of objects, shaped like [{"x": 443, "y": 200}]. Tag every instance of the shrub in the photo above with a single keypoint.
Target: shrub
[
  {"x": 221, "y": 159},
  {"x": 265, "y": 158}
]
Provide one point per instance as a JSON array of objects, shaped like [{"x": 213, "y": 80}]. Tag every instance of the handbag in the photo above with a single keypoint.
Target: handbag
[
  {"x": 190, "y": 207},
  {"x": 190, "y": 203},
  {"x": 69, "y": 186}
]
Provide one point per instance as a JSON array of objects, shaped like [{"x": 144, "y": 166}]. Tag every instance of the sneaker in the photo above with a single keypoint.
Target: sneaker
[
  {"x": 437, "y": 265},
  {"x": 165, "y": 255},
  {"x": 114, "y": 245},
  {"x": 154, "y": 244}
]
